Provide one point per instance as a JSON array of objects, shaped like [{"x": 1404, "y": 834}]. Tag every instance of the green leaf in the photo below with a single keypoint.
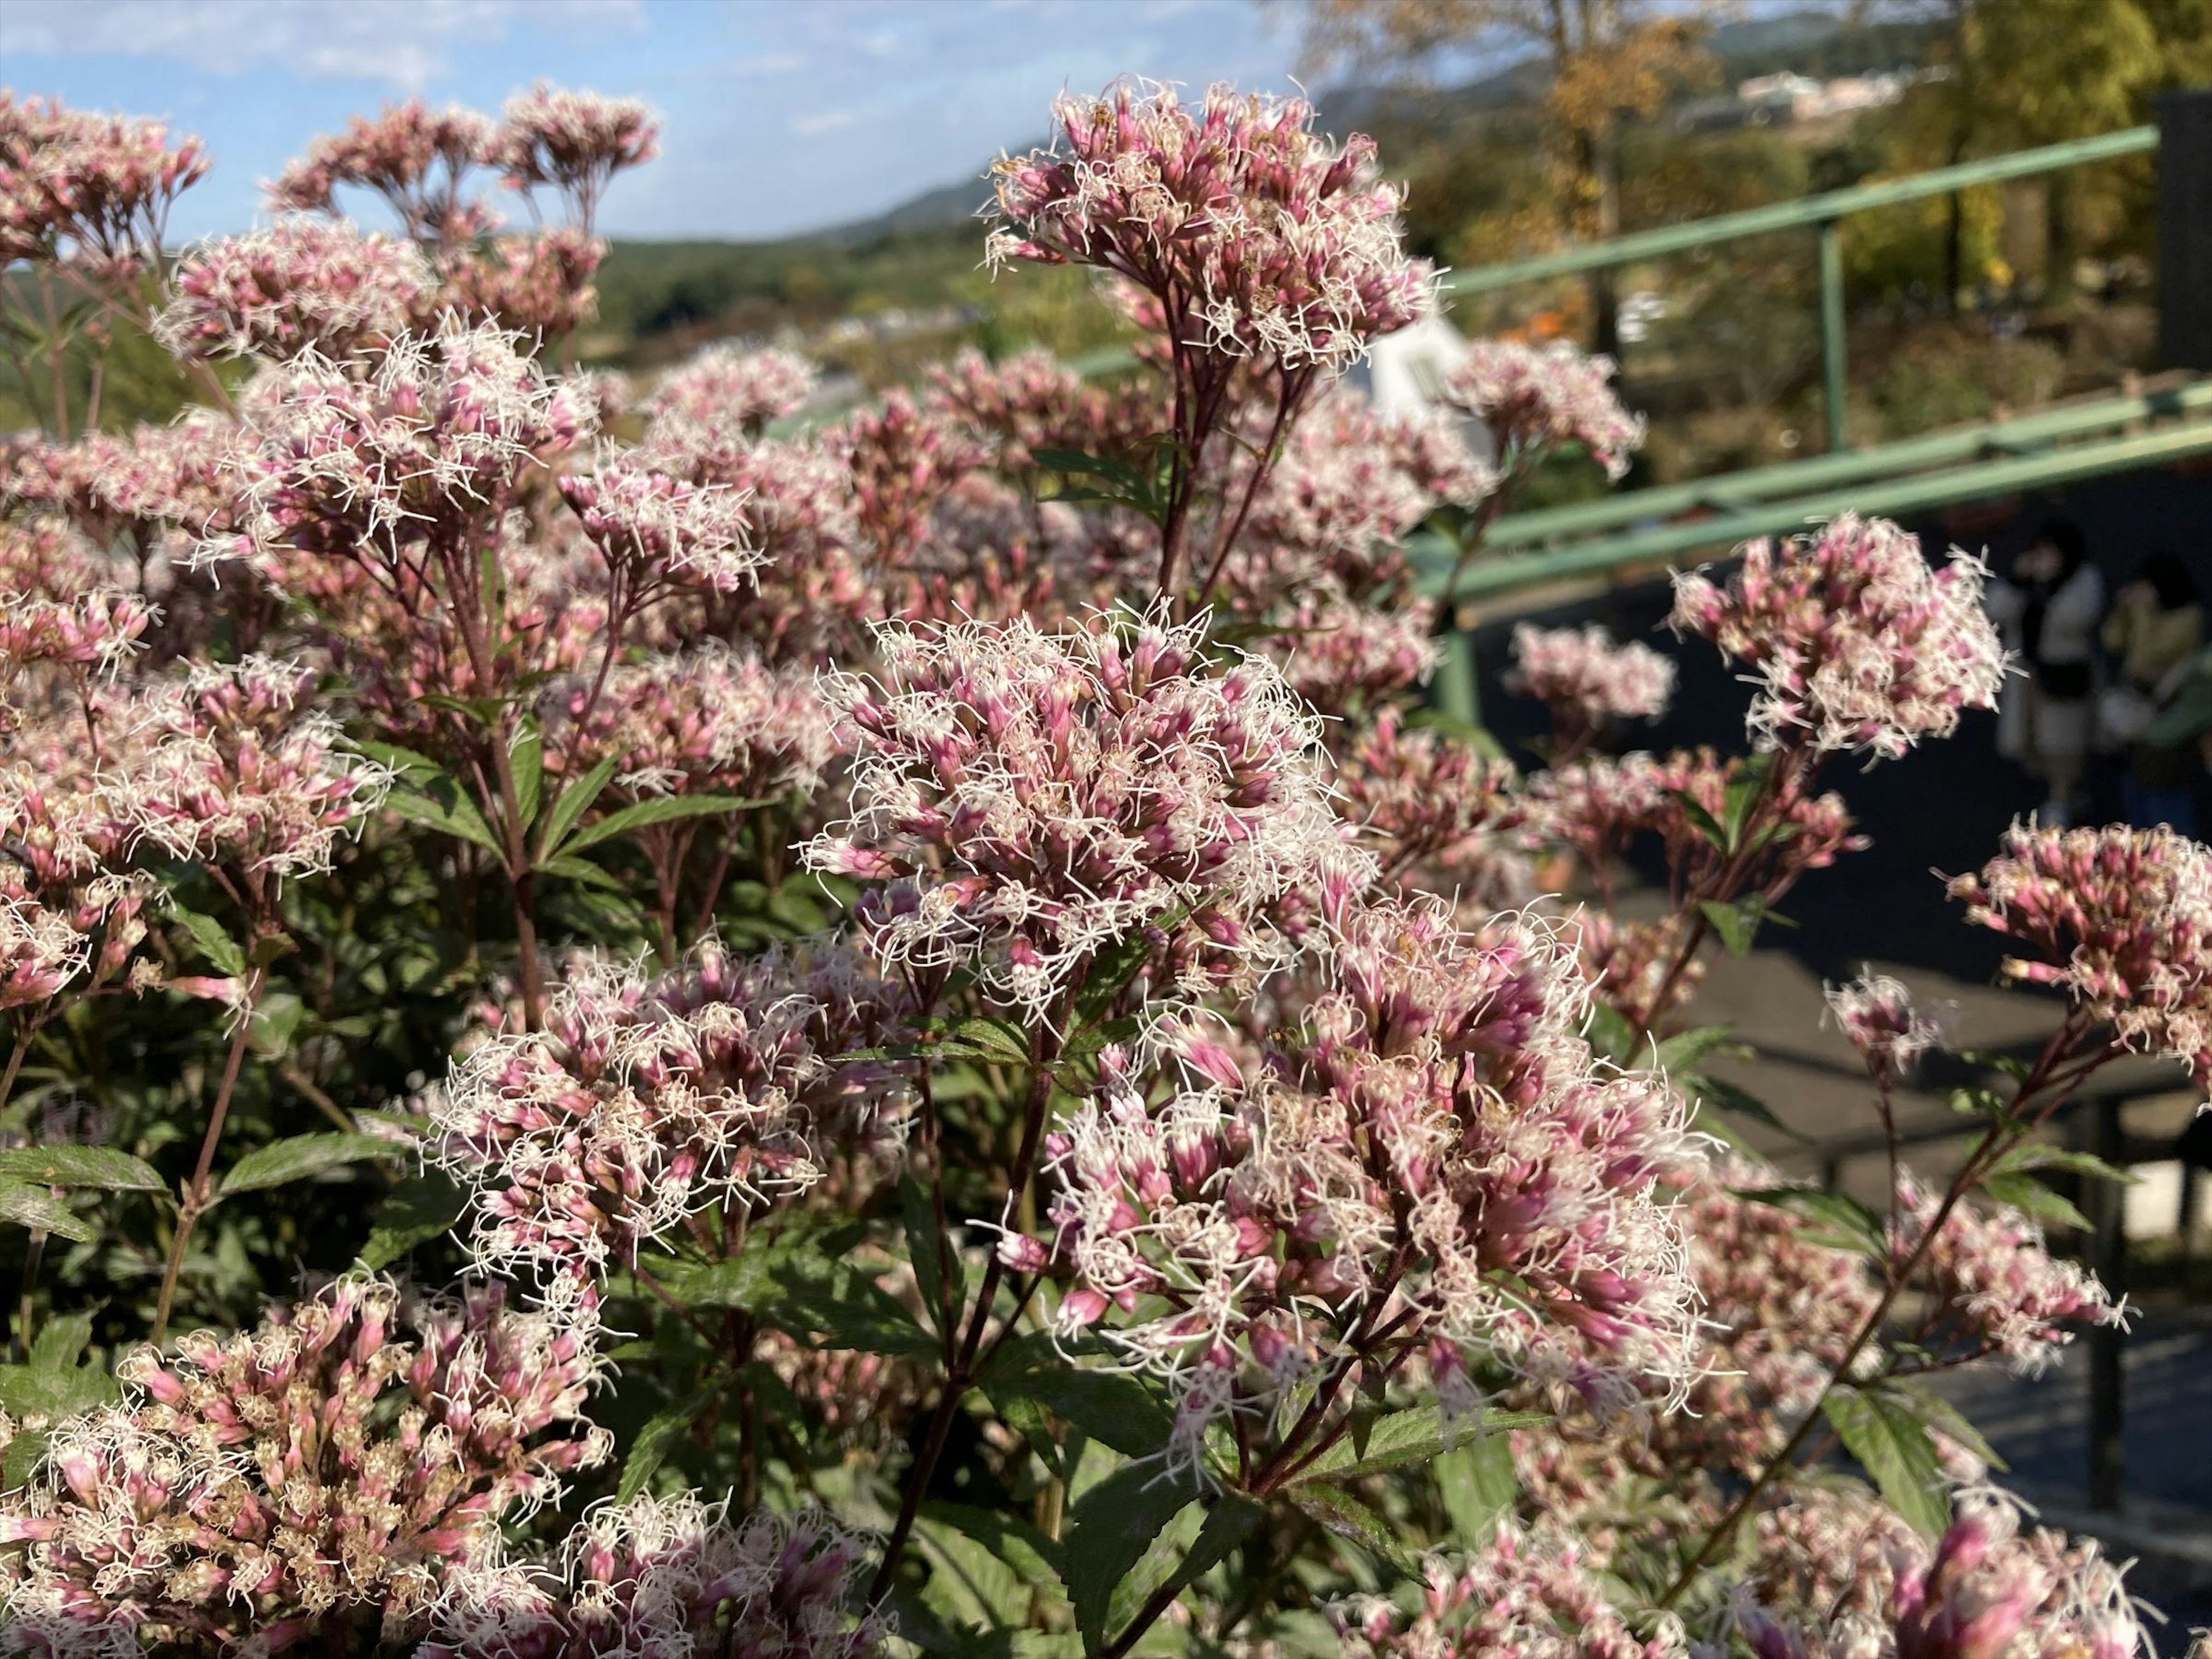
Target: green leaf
[
  {"x": 103, "y": 1168},
  {"x": 526, "y": 757},
  {"x": 1846, "y": 1222},
  {"x": 61, "y": 1342},
  {"x": 2031, "y": 1197},
  {"x": 569, "y": 807},
  {"x": 419, "y": 1209},
  {"x": 661, "y": 809},
  {"x": 656, "y": 1440},
  {"x": 1480, "y": 1487},
  {"x": 580, "y": 870},
  {"x": 1229, "y": 1522},
  {"x": 1113, "y": 1408},
  {"x": 445, "y": 807},
  {"x": 2026, "y": 1156},
  {"x": 53, "y": 1385},
  {"x": 1685, "y": 1049},
  {"x": 1414, "y": 1436},
  {"x": 1348, "y": 1517},
  {"x": 1737, "y": 800},
  {"x": 407, "y": 765},
  {"x": 1008, "y": 1537},
  {"x": 283, "y": 1162},
  {"x": 802, "y": 1258},
  {"x": 1896, "y": 1452},
  {"x": 969, "y": 1585},
  {"x": 214, "y": 940},
  {"x": 1737, "y": 925},
  {"x": 1110, "y": 1527},
  {"x": 938, "y": 1272},
  {"x": 1942, "y": 1417},
  {"x": 21, "y": 1460},
  {"x": 1607, "y": 1030},
  {"x": 1705, "y": 823},
  {"x": 1719, "y": 1092},
  {"x": 41, "y": 1212}
]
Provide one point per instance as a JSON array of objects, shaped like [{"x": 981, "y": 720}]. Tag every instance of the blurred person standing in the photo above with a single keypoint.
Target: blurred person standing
[
  {"x": 2048, "y": 608},
  {"x": 2156, "y": 628}
]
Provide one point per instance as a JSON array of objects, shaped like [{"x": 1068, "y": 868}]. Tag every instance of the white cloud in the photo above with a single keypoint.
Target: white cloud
[
  {"x": 762, "y": 62},
  {"x": 405, "y": 43},
  {"x": 815, "y": 123}
]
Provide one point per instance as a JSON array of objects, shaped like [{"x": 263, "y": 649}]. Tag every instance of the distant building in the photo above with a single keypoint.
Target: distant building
[{"x": 1786, "y": 99}]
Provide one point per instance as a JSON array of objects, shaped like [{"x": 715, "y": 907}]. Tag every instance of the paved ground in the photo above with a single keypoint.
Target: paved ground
[{"x": 1936, "y": 813}]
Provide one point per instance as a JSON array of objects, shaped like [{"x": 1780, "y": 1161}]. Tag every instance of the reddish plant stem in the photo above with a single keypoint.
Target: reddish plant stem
[
  {"x": 1045, "y": 1049},
  {"x": 194, "y": 1199},
  {"x": 1899, "y": 1274}
]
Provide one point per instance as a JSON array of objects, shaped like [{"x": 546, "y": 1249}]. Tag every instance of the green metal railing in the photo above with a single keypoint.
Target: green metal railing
[
  {"x": 1737, "y": 492},
  {"x": 1891, "y": 496},
  {"x": 1825, "y": 213}
]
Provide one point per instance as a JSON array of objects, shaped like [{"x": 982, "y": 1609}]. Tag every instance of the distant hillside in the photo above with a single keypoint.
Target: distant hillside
[{"x": 922, "y": 253}]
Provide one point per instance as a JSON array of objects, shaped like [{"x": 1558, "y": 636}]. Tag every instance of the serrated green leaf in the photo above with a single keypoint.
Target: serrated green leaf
[
  {"x": 2031, "y": 1197},
  {"x": 61, "y": 1342},
  {"x": 656, "y": 1440},
  {"x": 526, "y": 757},
  {"x": 213, "y": 941},
  {"x": 1110, "y": 1527},
  {"x": 1942, "y": 1417},
  {"x": 1897, "y": 1454},
  {"x": 661, "y": 809},
  {"x": 1851, "y": 1223},
  {"x": 1113, "y": 1408},
  {"x": 1338, "y": 1511},
  {"x": 569, "y": 807},
  {"x": 1413, "y": 1435},
  {"x": 2026, "y": 1156},
  {"x": 1480, "y": 1487},
  {"x": 449, "y": 810},
  {"x": 41, "y": 1212},
  {"x": 101, "y": 1168},
  {"x": 283, "y": 1162},
  {"x": 1685, "y": 1049},
  {"x": 419, "y": 1209}
]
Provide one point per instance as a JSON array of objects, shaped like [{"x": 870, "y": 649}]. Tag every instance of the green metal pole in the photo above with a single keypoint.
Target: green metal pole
[{"x": 1832, "y": 339}]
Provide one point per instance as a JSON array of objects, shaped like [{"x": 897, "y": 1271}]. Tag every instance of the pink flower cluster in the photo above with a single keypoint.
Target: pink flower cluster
[
  {"x": 1990, "y": 1273},
  {"x": 1988, "y": 1589},
  {"x": 400, "y": 468},
  {"x": 2121, "y": 921},
  {"x": 96, "y": 632},
  {"x": 672, "y": 1577},
  {"x": 1878, "y": 1015},
  {"x": 413, "y": 156},
  {"x": 1438, "y": 806},
  {"x": 1256, "y": 233},
  {"x": 319, "y": 1478},
  {"x": 100, "y": 184},
  {"x": 645, "y": 1103},
  {"x": 1856, "y": 643},
  {"x": 303, "y": 284},
  {"x": 1022, "y": 801},
  {"x": 234, "y": 766},
  {"x": 1585, "y": 678},
  {"x": 1529, "y": 1593},
  {"x": 650, "y": 526},
  {"x": 714, "y": 720},
  {"x": 1434, "y": 1154},
  {"x": 575, "y": 142},
  {"x": 732, "y": 386},
  {"x": 1534, "y": 398},
  {"x": 1031, "y": 401}
]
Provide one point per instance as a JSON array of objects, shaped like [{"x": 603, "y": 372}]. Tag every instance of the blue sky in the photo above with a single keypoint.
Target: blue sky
[{"x": 781, "y": 115}]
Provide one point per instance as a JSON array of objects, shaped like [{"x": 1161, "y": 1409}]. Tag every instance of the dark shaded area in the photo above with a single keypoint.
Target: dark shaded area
[{"x": 1940, "y": 809}]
